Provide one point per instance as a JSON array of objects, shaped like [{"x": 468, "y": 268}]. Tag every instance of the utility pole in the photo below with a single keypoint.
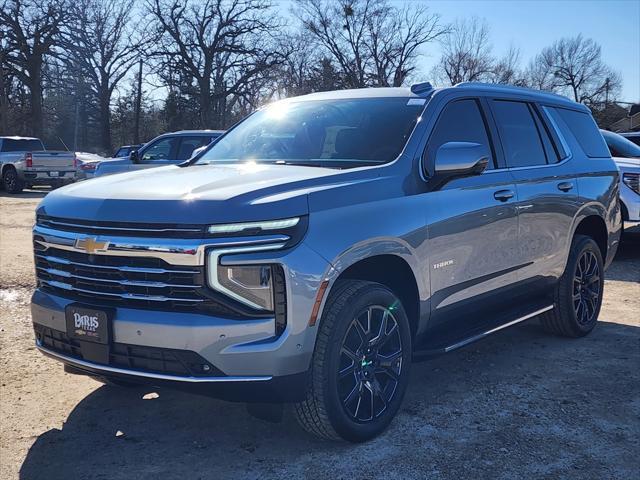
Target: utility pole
[
  {"x": 606, "y": 92},
  {"x": 136, "y": 133}
]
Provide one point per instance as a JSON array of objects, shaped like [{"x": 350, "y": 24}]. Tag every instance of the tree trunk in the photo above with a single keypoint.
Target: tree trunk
[
  {"x": 205, "y": 103},
  {"x": 35, "y": 92},
  {"x": 105, "y": 121},
  {"x": 4, "y": 107}
]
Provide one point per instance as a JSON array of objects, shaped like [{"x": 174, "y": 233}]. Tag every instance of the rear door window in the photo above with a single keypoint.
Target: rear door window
[
  {"x": 189, "y": 144},
  {"x": 460, "y": 121},
  {"x": 584, "y": 128},
  {"x": 21, "y": 145},
  {"x": 519, "y": 133}
]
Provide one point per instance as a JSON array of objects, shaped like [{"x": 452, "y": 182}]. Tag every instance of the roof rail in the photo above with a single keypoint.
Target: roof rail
[
  {"x": 509, "y": 88},
  {"x": 421, "y": 87}
]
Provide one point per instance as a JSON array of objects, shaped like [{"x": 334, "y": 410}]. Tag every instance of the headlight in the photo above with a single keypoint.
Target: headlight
[
  {"x": 259, "y": 226},
  {"x": 250, "y": 284},
  {"x": 632, "y": 180}
]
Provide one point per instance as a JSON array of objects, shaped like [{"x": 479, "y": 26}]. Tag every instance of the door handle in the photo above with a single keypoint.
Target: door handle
[
  {"x": 565, "y": 186},
  {"x": 503, "y": 195}
]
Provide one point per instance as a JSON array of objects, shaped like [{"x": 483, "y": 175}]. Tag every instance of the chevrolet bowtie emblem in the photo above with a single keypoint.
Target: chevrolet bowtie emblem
[{"x": 91, "y": 245}]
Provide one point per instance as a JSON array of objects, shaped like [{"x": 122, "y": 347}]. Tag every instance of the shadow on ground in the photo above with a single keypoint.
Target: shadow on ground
[
  {"x": 519, "y": 405},
  {"x": 27, "y": 193}
]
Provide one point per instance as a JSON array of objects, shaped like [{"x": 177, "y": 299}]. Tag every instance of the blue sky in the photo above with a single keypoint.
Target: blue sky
[{"x": 532, "y": 25}]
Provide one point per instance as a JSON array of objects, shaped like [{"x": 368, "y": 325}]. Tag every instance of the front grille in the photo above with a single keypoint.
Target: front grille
[
  {"x": 127, "y": 229},
  {"x": 131, "y": 357},
  {"x": 136, "y": 282}
]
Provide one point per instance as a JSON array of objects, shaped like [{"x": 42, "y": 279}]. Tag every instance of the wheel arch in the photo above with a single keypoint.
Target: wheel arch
[{"x": 393, "y": 270}]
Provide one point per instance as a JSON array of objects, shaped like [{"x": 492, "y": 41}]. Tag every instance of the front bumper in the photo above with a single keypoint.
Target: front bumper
[{"x": 243, "y": 351}]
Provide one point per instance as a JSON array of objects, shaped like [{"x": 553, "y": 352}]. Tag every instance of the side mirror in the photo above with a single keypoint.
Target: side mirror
[
  {"x": 134, "y": 156},
  {"x": 197, "y": 151},
  {"x": 459, "y": 159}
]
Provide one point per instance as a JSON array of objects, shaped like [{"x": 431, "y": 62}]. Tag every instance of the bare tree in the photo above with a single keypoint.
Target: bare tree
[
  {"x": 506, "y": 70},
  {"x": 99, "y": 42},
  {"x": 574, "y": 66},
  {"x": 31, "y": 29},
  {"x": 466, "y": 53},
  {"x": 371, "y": 42},
  {"x": 222, "y": 46}
]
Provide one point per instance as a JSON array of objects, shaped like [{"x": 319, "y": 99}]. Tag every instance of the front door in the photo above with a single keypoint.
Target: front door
[{"x": 472, "y": 223}]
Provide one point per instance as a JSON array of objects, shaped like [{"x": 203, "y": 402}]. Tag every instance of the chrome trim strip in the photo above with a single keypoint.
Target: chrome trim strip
[
  {"x": 123, "y": 268},
  {"x": 158, "y": 376},
  {"x": 133, "y": 283},
  {"x": 214, "y": 260},
  {"x": 496, "y": 329},
  {"x": 184, "y": 252},
  {"x": 126, "y": 296}
]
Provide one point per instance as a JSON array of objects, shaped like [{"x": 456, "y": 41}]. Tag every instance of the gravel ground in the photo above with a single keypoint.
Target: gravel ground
[{"x": 520, "y": 404}]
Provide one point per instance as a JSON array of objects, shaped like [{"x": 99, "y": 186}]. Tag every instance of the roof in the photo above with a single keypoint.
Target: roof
[
  {"x": 374, "y": 92},
  {"x": 194, "y": 132},
  {"x": 18, "y": 138},
  {"x": 423, "y": 90}
]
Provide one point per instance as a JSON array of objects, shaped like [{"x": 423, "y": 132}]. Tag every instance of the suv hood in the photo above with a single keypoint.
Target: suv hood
[{"x": 198, "y": 194}]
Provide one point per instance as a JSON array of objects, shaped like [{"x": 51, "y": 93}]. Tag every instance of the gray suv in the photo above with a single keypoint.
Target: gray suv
[{"x": 326, "y": 241}]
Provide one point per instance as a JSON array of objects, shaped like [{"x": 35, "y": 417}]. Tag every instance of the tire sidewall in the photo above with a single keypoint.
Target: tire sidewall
[
  {"x": 581, "y": 245},
  {"x": 346, "y": 427}
]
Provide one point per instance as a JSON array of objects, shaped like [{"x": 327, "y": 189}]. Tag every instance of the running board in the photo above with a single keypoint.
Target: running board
[{"x": 422, "y": 354}]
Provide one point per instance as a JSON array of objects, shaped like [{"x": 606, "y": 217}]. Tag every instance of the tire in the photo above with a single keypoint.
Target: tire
[
  {"x": 11, "y": 182},
  {"x": 351, "y": 367},
  {"x": 578, "y": 295}
]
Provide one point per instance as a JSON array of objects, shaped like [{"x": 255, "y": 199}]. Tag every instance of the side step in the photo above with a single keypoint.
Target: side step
[{"x": 447, "y": 345}]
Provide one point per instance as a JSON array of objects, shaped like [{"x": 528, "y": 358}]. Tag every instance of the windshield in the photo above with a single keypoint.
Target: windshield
[
  {"x": 620, "y": 146},
  {"x": 333, "y": 133}
]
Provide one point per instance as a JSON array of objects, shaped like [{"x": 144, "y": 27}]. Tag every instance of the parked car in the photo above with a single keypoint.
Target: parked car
[
  {"x": 86, "y": 164},
  {"x": 627, "y": 157},
  {"x": 125, "y": 150},
  {"x": 632, "y": 137},
  {"x": 326, "y": 241},
  {"x": 167, "y": 149},
  {"x": 24, "y": 162}
]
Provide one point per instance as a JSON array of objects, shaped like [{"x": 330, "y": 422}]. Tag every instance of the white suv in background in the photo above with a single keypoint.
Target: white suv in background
[{"x": 626, "y": 154}]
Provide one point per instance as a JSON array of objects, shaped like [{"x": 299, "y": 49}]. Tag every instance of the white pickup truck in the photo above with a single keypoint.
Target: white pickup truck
[{"x": 25, "y": 162}]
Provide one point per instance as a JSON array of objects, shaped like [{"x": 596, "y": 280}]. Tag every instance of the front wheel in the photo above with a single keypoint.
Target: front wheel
[
  {"x": 360, "y": 367},
  {"x": 579, "y": 291}
]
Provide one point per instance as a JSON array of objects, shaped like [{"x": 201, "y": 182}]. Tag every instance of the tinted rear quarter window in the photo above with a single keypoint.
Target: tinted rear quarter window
[
  {"x": 584, "y": 129},
  {"x": 519, "y": 134}
]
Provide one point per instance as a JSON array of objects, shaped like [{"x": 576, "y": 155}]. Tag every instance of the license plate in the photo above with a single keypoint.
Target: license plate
[
  {"x": 88, "y": 324},
  {"x": 54, "y": 174}
]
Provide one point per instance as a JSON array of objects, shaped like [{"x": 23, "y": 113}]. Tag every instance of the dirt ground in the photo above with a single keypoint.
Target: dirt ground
[{"x": 520, "y": 404}]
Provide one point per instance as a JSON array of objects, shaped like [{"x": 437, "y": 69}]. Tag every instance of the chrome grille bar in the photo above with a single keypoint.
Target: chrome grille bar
[
  {"x": 126, "y": 296},
  {"x": 123, "y": 268},
  {"x": 133, "y": 283}
]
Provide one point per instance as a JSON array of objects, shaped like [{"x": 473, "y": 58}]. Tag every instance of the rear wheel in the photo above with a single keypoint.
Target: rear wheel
[
  {"x": 11, "y": 181},
  {"x": 578, "y": 295},
  {"x": 360, "y": 366}
]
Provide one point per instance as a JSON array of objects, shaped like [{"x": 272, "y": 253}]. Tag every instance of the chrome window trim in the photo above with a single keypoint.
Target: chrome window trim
[
  {"x": 138, "y": 373},
  {"x": 214, "y": 261}
]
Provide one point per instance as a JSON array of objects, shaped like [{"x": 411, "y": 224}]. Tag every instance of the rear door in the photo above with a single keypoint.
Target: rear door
[
  {"x": 547, "y": 188},
  {"x": 472, "y": 226}
]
